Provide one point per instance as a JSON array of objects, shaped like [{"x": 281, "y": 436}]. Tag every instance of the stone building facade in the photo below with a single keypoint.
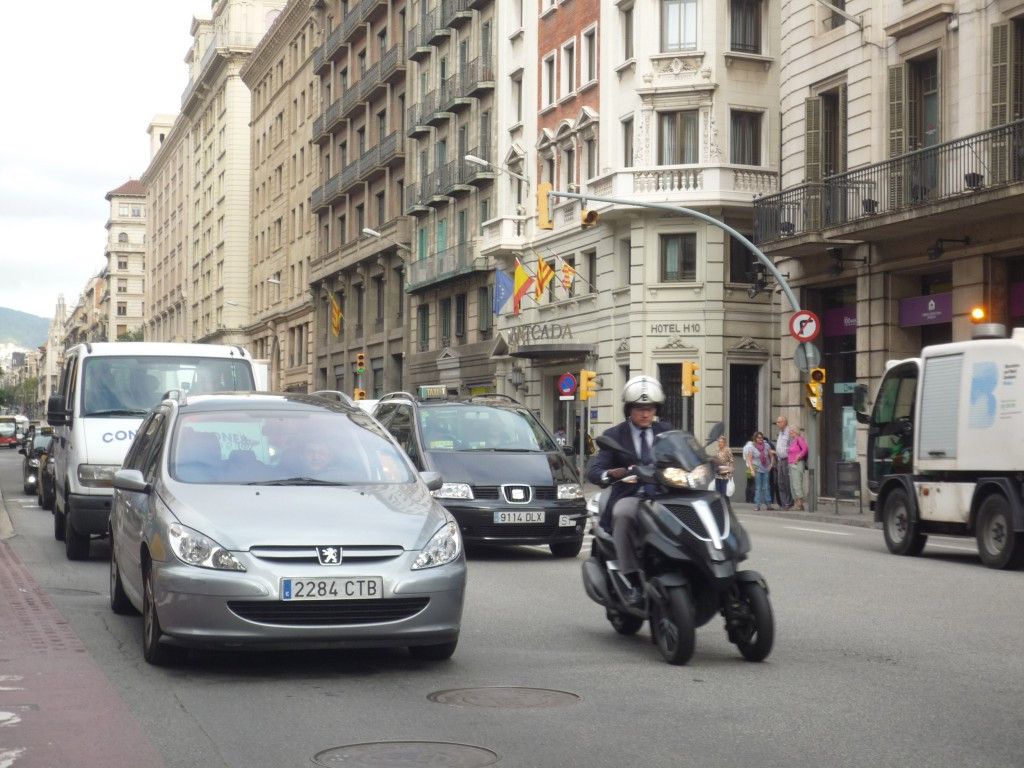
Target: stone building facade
[{"x": 123, "y": 303}]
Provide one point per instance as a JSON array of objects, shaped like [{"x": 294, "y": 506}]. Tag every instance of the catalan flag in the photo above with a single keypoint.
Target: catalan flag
[
  {"x": 568, "y": 276},
  {"x": 523, "y": 282},
  {"x": 335, "y": 315},
  {"x": 545, "y": 273}
]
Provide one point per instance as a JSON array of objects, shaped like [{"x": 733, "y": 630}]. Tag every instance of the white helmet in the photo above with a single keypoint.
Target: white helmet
[{"x": 642, "y": 390}]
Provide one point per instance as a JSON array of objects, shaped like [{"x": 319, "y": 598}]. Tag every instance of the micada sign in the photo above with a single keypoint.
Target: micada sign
[{"x": 534, "y": 333}]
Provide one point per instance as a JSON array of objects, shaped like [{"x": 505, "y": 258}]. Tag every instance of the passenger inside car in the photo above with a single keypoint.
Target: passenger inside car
[{"x": 199, "y": 456}]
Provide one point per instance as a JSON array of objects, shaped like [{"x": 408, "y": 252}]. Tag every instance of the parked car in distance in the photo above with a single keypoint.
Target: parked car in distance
[
  {"x": 505, "y": 479},
  {"x": 281, "y": 521},
  {"x": 35, "y": 446}
]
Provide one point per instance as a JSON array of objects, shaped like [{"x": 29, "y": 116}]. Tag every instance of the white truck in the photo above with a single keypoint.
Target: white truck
[
  {"x": 945, "y": 449},
  {"x": 105, "y": 391}
]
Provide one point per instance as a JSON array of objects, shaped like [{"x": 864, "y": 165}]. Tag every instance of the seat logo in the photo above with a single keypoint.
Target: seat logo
[
  {"x": 517, "y": 494},
  {"x": 329, "y": 555}
]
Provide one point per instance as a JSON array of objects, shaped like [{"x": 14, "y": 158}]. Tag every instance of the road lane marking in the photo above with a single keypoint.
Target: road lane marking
[
  {"x": 816, "y": 530},
  {"x": 8, "y": 718},
  {"x": 8, "y": 756}
]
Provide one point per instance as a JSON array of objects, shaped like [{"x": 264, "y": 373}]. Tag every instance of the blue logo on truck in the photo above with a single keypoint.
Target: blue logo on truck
[{"x": 984, "y": 380}]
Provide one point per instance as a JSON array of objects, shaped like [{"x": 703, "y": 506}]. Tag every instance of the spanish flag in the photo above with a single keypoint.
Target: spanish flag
[
  {"x": 544, "y": 275},
  {"x": 335, "y": 315},
  {"x": 523, "y": 281},
  {"x": 568, "y": 275}
]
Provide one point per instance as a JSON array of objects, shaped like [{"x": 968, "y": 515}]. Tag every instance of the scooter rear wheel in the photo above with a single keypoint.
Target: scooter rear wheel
[
  {"x": 673, "y": 625},
  {"x": 756, "y": 638}
]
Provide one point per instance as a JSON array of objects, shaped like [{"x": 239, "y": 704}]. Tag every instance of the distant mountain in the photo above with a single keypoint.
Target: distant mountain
[{"x": 22, "y": 328}]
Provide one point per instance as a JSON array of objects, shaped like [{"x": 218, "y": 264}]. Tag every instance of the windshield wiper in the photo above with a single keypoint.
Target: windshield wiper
[
  {"x": 504, "y": 450},
  {"x": 297, "y": 481},
  {"x": 119, "y": 412}
]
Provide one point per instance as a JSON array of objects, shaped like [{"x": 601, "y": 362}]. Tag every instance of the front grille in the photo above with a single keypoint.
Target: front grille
[
  {"x": 512, "y": 530},
  {"x": 309, "y": 613},
  {"x": 493, "y": 492},
  {"x": 308, "y": 556},
  {"x": 687, "y": 515}
]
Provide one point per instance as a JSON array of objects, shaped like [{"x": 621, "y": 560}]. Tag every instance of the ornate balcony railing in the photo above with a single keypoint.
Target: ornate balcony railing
[
  {"x": 392, "y": 61},
  {"x": 444, "y": 265},
  {"x": 951, "y": 170},
  {"x": 455, "y": 12},
  {"x": 391, "y": 147}
]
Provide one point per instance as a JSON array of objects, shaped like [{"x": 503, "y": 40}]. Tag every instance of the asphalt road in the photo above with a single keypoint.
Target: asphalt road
[{"x": 879, "y": 661}]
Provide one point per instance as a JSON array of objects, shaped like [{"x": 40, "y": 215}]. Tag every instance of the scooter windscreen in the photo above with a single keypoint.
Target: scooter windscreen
[{"x": 681, "y": 461}]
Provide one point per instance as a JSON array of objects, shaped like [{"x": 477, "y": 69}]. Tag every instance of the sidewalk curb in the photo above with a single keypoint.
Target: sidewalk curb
[{"x": 6, "y": 525}]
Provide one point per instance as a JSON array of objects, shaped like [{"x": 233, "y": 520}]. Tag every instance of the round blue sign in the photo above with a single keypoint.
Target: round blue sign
[{"x": 567, "y": 384}]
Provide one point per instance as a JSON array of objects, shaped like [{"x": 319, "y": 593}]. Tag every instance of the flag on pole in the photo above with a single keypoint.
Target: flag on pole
[
  {"x": 523, "y": 282},
  {"x": 503, "y": 288},
  {"x": 335, "y": 315},
  {"x": 544, "y": 275},
  {"x": 568, "y": 276}
]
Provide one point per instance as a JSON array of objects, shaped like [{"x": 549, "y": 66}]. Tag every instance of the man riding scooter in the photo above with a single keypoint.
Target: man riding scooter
[{"x": 641, "y": 398}]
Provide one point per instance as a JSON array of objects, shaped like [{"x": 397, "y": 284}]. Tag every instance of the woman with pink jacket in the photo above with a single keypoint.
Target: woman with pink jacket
[{"x": 796, "y": 458}]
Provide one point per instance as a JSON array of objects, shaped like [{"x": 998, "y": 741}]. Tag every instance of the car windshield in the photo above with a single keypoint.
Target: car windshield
[
  {"x": 285, "y": 447},
  {"x": 474, "y": 427},
  {"x": 131, "y": 386}
]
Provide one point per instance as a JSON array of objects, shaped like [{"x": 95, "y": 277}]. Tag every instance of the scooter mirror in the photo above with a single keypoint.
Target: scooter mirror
[
  {"x": 716, "y": 432},
  {"x": 608, "y": 443}
]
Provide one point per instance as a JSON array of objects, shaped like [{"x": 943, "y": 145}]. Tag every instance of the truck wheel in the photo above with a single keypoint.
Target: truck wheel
[
  {"x": 76, "y": 545},
  {"x": 998, "y": 544},
  {"x": 899, "y": 525},
  {"x": 58, "y": 520}
]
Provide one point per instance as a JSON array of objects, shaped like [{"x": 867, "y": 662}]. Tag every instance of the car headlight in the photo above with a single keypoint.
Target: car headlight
[
  {"x": 678, "y": 477},
  {"x": 33, "y": 462},
  {"x": 568, "y": 491},
  {"x": 194, "y": 548},
  {"x": 97, "y": 475},
  {"x": 453, "y": 491},
  {"x": 443, "y": 547}
]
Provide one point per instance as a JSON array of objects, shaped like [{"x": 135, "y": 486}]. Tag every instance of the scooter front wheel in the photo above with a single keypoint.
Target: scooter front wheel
[
  {"x": 673, "y": 625},
  {"x": 756, "y": 636}
]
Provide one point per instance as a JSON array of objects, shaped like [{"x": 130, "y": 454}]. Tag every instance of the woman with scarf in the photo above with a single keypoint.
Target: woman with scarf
[{"x": 759, "y": 461}]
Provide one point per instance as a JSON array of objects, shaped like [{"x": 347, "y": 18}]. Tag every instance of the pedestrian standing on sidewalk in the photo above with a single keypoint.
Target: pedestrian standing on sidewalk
[
  {"x": 785, "y": 498},
  {"x": 797, "y": 458},
  {"x": 723, "y": 462},
  {"x": 761, "y": 463},
  {"x": 748, "y": 463}
]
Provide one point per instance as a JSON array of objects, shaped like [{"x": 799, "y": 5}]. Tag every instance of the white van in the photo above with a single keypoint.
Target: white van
[{"x": 105, "y": 391}]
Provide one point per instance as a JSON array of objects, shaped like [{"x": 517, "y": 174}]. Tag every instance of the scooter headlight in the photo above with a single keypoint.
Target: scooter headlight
[{"x": 677, "y": 477}]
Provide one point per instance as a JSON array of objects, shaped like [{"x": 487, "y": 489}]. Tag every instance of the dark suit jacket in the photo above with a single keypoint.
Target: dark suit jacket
[{"x": 605, "y": 460}]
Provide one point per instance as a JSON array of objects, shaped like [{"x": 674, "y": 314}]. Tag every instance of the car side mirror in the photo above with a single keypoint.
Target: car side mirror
[
  {"x": 433, "y": 480},
  {"x": 131, "y": 480},
  {"x": 56, "y": 415}
]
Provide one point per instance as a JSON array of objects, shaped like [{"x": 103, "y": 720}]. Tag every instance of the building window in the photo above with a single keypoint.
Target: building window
[
  {"x": 746, "y": 26},
  {"x": 423, "y": 326},
  {"x": 589, "y": 56},
  {"x": 745, "y": 138},
  {"x": 122, "y": 308},
  {"x": 122, "y": 285},
  {"x": 678, "y": 138},
  {"x": 569, "y": 166},
  {"x": 483, "y": 306},
  {"x": 678, "y": 25},
  {"x": 744, "y": 390},
  {"x": 548, "y": 83},
  {"x": 627, "y": 34},
  {"x": 568, "y": 68},
  {"x": 378, "y": 287},
  {"x": 590, "y": 147},
  {"x": 627, "y": 143},
  {"x": 591, "y": 272},
  {"x": 122, "y": 237},
  {"x": 122, "y": 263},
  {"x": 517, "y": 97},
  {"x": 382, "y": 213},
  {"x": 460, "y": 316},
  {"x": 742, "y": 263},
  {"x": 444, "y": 320},
  {"x": 678, "y": 258}
]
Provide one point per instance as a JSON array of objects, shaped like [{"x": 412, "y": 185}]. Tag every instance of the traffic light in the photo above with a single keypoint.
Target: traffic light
[
  {"x": 360, "y": 363},
  {"x": 816, "y": 389},
  {"x": 358, "y": 394},
  {"x": 588, "y": 384},
  {"x": 543, "y": 207},
  {"x": 588, "y": 218},
  {"x": 690, "y": 378}
]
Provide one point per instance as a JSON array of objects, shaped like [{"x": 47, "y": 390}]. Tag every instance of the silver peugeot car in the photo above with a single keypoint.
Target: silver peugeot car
[{"x": 280, "y": 521}]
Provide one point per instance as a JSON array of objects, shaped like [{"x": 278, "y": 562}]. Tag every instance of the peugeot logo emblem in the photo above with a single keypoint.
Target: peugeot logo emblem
[{"x": 329, "y": 555}]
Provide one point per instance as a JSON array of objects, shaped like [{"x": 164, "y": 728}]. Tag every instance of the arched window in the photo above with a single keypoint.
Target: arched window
[{"x": 122, "y": 237}]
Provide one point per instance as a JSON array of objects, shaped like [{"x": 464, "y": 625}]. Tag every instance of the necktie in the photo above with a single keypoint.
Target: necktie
[{"x": 646, "y": 458}]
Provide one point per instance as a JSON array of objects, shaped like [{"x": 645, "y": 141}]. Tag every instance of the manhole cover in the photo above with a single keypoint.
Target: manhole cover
[
  {"x": 504, "y": 697},
  {"x": 68, "y": 592},
  {"x": 398, "y": 754}
]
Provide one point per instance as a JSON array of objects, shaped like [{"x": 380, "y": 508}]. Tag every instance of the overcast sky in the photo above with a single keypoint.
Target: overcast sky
[{"x": 81, "y": 81}]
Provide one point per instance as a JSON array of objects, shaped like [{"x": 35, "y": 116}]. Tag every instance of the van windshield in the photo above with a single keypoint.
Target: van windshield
[
  {"x": 131, "y": 386},
  {"x": 481, "y": 428}
]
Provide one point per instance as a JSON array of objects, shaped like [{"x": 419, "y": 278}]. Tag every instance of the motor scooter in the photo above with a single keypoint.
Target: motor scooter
[{"x": 690, "y": 545}]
